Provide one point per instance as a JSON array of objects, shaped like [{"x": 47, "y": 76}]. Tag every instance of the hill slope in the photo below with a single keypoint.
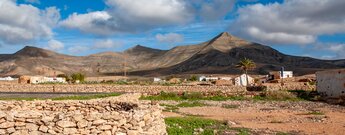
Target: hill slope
[{"x": 219, "y": 55}]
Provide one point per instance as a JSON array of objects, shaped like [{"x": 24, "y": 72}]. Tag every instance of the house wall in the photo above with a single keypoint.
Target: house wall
[
  {"x": 40, "y": 79},
  {"x": 331, "y": 84},
  {"x": 277, "y": 74},
  {"x": 242, "y": 80},
  {"x": 287, "y": 74}
]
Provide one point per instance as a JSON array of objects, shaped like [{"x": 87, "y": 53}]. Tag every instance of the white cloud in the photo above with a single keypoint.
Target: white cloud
[
  {"x": 78, "y": 49},
  {"x": 279, "y": 37},
  {"x": 169, "y": 38},
  {"x": 106, "y": 44},
  {"x": 55, "y": 45},
  {"x": 290, "y": 22},
  {"x": 124, "y": 16},
  {"x": 153, "y": 12},
  {"x": 215, "y": 9},
  {"x": 130, "y": 16},
  {"x": 23, "y": 23},
  {"x": 337, "y": 49},
  {"x": 88, "y": 22}
]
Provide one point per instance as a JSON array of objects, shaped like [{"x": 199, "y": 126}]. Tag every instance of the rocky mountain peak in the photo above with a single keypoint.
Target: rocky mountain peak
[
  {"x": 31, "y": 51},
  {"x": 225, "y": 42},
  {"x": 141, "y": 49}
]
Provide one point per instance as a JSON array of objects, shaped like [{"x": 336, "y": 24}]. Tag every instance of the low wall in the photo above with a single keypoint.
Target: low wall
[
  {"x": 116, "y": 115},
  {"x": 151, "y": 89},
  {"x": 291, "y": 86}
]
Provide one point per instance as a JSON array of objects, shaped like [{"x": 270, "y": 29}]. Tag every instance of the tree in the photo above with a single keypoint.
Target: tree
[
  {"x": 245, "y": 65},
  {"x": 78, "y": 76}
]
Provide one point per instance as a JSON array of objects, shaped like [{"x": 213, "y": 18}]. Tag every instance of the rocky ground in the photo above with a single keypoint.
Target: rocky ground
[{"x": 270, "y": 117}]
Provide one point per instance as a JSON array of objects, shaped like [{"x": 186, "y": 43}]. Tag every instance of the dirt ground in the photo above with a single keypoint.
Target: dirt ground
[{"x": 310, "y": 118}]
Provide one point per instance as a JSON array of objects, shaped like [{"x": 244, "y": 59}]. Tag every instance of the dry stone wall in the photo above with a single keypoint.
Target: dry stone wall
[
  {"x": 147, "y": 89},
  {"x": 111, "y": 116},
  {"x": 151, "y": 89},
  {"x": 291, "y": 86}
]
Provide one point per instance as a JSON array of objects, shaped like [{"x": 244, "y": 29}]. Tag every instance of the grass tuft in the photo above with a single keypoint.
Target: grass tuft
[
  {"x": 191, "y": 104},
  {"x": 228, "y": 106},
  {"x": 195, "y": 96},
  {"x": 313, "y": 113},
  {"x": 188, "y": 126}
]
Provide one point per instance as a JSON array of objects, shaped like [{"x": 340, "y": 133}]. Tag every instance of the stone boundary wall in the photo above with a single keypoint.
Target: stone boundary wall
[
  {"x": 150, "y": 89},
  {"x": 291, "y": 86},
  {"x": 147, "y": 89},
  {"x": 115, "y": 115}
]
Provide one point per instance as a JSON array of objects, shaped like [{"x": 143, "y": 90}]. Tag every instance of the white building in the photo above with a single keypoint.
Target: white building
[
  {"x": 7, "y": 79},
  {"x": 41, "y": 79},
  {"x": 277, "y": 74},
  {"x": 209, "y": 78},
  {"x": 156, "y": 79},
  {"x": 242, "y": 80},
  {"x": 225, "y": 78},
  {"x": 331, "y": 84}
]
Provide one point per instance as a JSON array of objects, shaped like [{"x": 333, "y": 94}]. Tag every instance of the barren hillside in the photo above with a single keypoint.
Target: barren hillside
[{"x": 218, "y": 55}]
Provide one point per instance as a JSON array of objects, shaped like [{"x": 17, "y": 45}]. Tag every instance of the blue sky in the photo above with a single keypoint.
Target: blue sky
[{"x": 83, "y": 27}]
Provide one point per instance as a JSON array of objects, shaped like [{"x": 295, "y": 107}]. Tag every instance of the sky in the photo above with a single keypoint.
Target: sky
[{"x": 313, "y": 28}]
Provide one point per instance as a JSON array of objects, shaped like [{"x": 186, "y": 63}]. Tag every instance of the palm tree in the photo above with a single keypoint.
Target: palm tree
[{"x": 245, "y": 65}]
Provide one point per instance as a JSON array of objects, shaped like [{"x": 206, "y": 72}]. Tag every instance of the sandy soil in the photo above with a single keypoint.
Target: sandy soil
[{"x": 291, "y": 117}]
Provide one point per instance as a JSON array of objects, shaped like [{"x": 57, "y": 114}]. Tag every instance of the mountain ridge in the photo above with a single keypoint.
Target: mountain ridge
[{"x": 218, "y": 55}]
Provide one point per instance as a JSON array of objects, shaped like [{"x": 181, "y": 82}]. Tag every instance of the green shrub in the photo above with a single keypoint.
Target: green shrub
[
  {"x": 193, "y": 78},
  {"x": 78, "y": 76}
]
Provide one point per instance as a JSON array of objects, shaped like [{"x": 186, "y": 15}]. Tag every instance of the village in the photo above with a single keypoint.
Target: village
[
  {"x": 172, "y": 67},
  {"x": 240, "y": 80},
  {"x": 277, "y": 103},
  {"x": 329, "y": 83}
]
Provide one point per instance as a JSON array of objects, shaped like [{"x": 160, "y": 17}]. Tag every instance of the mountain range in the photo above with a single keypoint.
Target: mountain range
[{"x": 216, "y": 56}]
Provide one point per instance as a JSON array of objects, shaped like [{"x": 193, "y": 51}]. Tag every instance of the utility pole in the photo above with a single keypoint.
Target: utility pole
[
  {"x": 124, "y": 66},
  {"x": 98, "y": 71},
  {"x": 282, "y": 76}
]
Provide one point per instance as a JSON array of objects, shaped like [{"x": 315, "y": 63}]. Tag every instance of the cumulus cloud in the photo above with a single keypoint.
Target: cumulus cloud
[
  {"x": 23, "y": 23},
  {"x": 78, "y": 49},
  {"x": 55, "y": 45},
  {"x": 337, "y": 49},
  {"x": 153, "y": 12},
  {"x": 89, "y": 22},
  {"x": 130, "y": 16},
  {"x": 290, "y": 22},
  {"x": 106, "y": 44},
  {"x": 169, "y": 38}
]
